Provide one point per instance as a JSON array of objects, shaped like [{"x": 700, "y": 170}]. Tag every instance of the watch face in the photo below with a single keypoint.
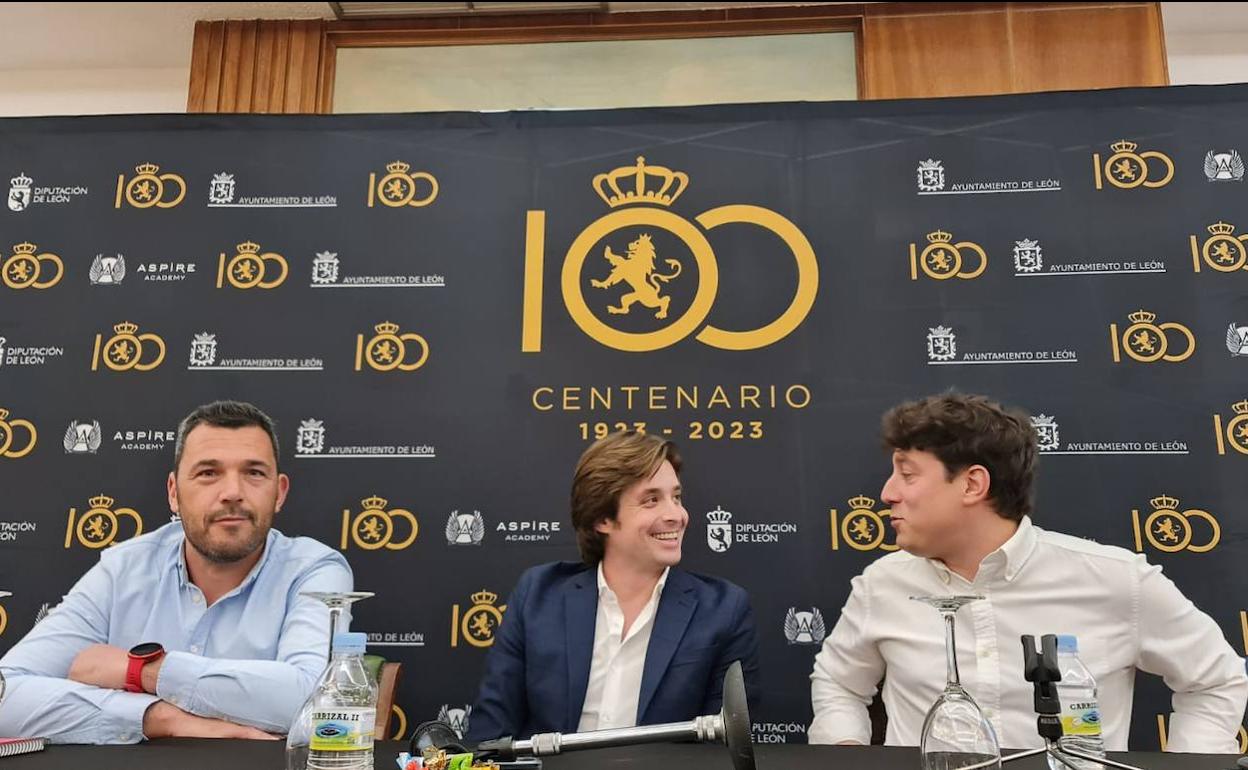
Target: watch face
[{"x": 146, "y": 649}]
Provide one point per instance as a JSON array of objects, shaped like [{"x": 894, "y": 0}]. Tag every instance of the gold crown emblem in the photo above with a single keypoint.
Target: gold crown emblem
[
  {"x": 1240, "y": 407},
  {"x": 102, "y": 501},
  {"x": 1165, "y": 503},
  {"x": 1221, "y": 228},
  {"x": 484, "y": 597},
  {"x": 126, "y": 327},
  {"x": 147, "y": 168},
  {"x": 386, "y": 327},
  {"x": 398, "y": 167},
  {"x": 248, "y": 247},
  {"x": 24, "y": 248},
  {"x": 862, "y": 502},
  {"x": 1142, "y": 317},
  {"x": 1123, "y": 145},
  {"x": 374, "y": 503},
  {"x": 608, "y": 185},
  {"x": 4, "y": 413},
  {"x": 940, "y": 236}
]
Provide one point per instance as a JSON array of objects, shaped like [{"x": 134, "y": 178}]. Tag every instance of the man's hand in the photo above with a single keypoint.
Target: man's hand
[
  {"x": 101, "y": 665},
  {"x": 165, "y": 720}
]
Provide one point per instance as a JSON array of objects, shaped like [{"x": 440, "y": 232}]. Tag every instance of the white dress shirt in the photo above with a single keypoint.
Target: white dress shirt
[
  {"x": 1125, "y": 613},
  {"x": 615, "y": 671}
]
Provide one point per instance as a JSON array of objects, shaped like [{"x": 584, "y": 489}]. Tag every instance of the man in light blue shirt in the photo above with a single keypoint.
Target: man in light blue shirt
[{"x": 196, "y": 629}]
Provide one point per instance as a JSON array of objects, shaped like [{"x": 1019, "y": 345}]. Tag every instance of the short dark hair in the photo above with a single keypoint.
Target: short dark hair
[
  {"x": 224, "y": 414},
  {"x": 605, "y": 470},
  {"x": 964, "y": 430}
]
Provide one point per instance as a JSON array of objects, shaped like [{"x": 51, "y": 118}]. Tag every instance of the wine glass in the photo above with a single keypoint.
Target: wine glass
[
  {"x": 300, "y": 735},
  {"x": 956, "y": 735}
]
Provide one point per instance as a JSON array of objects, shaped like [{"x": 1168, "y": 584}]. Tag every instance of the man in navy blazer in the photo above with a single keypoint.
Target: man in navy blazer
[{"x": 626, "y": 637}]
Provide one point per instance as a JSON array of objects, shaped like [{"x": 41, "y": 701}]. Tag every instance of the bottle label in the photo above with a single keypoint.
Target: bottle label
[
  {"x": 1081, "y": 718},
  {"x": 349, "y": 728}
]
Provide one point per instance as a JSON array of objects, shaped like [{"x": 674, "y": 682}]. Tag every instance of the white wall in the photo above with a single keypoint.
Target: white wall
[
  {"x": 94, "y": 91},
  {"x": 1206, "y": 42}
]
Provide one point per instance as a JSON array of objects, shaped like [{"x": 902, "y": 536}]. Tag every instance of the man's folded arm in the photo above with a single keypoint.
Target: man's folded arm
[
  {"x": 1207, "y": 679},
  {"x": 262, "y": 693},
  {"x": 846, "y": 673},
  {"x": 40, "y": 701}
]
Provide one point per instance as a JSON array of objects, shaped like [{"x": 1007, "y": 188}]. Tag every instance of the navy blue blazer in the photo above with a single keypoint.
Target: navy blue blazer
[{"x": 538, "y": 669}]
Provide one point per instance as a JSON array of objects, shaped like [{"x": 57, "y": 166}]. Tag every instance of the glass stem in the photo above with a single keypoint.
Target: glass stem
[
  {"x": 334, "y": 614},
  {"x": 951, "y": 655}
]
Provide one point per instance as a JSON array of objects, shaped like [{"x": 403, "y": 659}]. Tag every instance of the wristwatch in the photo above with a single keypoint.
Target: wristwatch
[{"x": 140, "y": 656}]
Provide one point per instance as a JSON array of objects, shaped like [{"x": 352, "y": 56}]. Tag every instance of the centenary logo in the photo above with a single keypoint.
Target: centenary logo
[
  {"x": 465, "y": 528},
  {"x": 249, "y": 269},
  {"x": 943, "y": 259},
  {"x": 27, "y": 269},
  {"x": 1222, "y": 250},
  {"x": 640, "y": 197},
  {"x": 374, "y": 526},
  {"x": 82, "y": 438},
  {"x": 862, "y": 527},
  {"x": 1148, "y": 342},
  {"x": 478, "y": 623},
  {"x": 1235, "y": 434},
  {"x": 398, "y": 188},
  {"x": 12, "y": 447},
  {"x": 805, "y": 627},
  {"x": 1168, "y": 530},
  {"x": 126, "y": 350},
  {"x": 147, "y": 189},
  {"x": 100, "y": 525},
  {"x": 388, "y": 351},
  {"x": 457, "y": 718},
  {"x": 1127, "y": 169}
]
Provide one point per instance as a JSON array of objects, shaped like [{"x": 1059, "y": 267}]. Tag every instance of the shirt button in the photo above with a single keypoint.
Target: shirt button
[
  {"x": 944, "y": 578},
  {"x": 198, "y": 599}
]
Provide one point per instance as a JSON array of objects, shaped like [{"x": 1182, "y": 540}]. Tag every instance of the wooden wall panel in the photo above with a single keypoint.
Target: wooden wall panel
[
  {"x": 1076, "y": 48},
  {"x": 256, "y": 66},
  {"x": 963, "y": 49},
  {"x": 939, "y": 54}
]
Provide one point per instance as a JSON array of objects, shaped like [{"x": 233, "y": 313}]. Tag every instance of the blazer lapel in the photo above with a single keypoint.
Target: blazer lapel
[
  {"x": 580, "y": 607},
  {"x": 676, "y": 606}
]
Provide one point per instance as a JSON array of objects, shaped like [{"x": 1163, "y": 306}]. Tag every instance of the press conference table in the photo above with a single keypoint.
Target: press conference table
[{"x": 188, "y": 754}]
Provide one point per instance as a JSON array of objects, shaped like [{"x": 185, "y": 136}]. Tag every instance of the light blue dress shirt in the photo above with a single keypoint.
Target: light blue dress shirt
[{"x": 251, "y": 658}]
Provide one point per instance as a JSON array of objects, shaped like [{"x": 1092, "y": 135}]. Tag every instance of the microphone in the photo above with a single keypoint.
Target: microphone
[{"x": 730, "y": 727}]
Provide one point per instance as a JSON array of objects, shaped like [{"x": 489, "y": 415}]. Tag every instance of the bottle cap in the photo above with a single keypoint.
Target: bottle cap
[
  {"x": 1067, "y": 643},
  {"x": 350, "y": 641}
]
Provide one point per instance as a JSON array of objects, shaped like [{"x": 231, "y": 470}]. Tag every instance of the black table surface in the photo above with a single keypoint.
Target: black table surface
[{"x": 199, "y": 754}]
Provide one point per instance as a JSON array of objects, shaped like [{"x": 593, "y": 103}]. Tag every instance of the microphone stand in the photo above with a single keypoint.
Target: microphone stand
[{"x": 1040, "y": 668}]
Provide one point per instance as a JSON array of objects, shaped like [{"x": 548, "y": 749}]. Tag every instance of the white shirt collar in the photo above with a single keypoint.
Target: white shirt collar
[
  {"x": 605, "y": 590},
  {"x": 1006, "y": 560}
]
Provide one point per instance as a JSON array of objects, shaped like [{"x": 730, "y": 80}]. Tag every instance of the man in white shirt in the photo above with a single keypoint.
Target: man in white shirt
[
  {"x": 960, "y": 494},
  {"x": 626, "y": 637}
]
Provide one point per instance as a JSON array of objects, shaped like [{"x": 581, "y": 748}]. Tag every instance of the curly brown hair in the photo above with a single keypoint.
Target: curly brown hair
[{"x": 964, "y": 430}]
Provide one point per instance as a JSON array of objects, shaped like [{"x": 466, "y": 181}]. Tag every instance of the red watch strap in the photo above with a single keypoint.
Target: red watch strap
[{"x": 134, "y": 673}]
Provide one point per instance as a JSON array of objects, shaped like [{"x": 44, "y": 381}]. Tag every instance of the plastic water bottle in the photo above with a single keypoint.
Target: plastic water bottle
[
  {"x": 344, "y": 710},
  {"x": 1081, "y": 714}
]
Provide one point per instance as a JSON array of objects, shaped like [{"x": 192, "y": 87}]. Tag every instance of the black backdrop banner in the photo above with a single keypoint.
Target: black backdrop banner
[{"x": 441, "y": 311}]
